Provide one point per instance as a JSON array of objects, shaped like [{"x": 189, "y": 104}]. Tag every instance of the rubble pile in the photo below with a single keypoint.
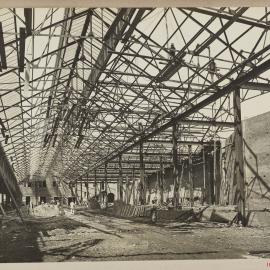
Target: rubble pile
[{"x": 46, "y": 210}]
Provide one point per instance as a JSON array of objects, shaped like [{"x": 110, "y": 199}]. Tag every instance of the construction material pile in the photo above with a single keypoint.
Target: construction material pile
[{"x": 46, "y": 210}]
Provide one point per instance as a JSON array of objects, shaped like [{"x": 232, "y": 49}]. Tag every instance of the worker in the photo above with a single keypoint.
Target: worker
[
  {"x": 72, "y": 207},
  {"x": 172, "y": 51},
  {"x": 212, "y": 69}
]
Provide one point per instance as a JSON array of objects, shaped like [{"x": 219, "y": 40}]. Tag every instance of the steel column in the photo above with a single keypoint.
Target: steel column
[
  {"x": 142, "y": 196},
  {"x": 120, "y": 181},
  {"x": 175, "y": 166},
  {"x": 106, "y": 185},
  {"x": 161, "y": 180},
  {"x": 190, "y": 177},
  {"x": 239, "y": 157}
]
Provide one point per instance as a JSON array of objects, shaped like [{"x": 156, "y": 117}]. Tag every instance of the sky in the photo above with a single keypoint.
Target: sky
[{"x": 256, "y": 106}]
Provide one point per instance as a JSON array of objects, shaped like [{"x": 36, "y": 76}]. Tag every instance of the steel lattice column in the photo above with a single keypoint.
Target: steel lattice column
[{"x": 239, "y": 157}]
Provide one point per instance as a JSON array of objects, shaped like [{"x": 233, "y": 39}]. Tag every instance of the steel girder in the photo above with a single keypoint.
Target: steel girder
[
  {"x": 119, "y": 88},
  {"x": 256, "y": 71}
]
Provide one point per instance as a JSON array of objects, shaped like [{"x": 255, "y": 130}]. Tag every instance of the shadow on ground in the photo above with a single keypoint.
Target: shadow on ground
[{"x": 20, "y": 245}]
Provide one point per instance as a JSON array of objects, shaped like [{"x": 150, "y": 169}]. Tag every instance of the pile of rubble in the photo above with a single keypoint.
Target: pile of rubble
[{"x": 46, "y": 210}]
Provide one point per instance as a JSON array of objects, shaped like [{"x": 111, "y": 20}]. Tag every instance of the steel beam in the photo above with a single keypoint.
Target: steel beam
[
  {"x": 22, "y": 49},
  {"x": 211, "y": 39},
  {"x": 75, "y": 16},
  {"x": 146, "y": 162},
  {"x": 240, "y": 80},
  {"x": 256, "y": 86},
  {"x": 111, "y": 41},
  {"x": 173, "y": 66},
  {"x": 28, "y": 20},
  {"x": 80, "y": 44},
  {"x": 179, "y": 142},
  {"x": 133, "y": 25},
  {"x": 2, "y": 49},
  {"x": 222, "y": 15},
  {"x": 198, "y": 122}
]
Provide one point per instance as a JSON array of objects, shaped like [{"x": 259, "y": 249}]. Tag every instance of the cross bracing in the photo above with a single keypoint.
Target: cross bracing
[{"x": 81, "y": 87}]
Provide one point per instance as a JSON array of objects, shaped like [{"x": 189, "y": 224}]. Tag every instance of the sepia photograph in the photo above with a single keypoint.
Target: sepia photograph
[{"x": 134, "y": 134}]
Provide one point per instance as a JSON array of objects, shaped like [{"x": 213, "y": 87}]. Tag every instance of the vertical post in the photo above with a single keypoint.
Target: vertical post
[
  {"x": 147, "y": 189},
  {"x": 7, "y": 199},
  {"x": 210, "y": 170},
  {"x": 142, "y": 180},
  {"x": 101, "y": 187},
  {"x": 106, "y": 185},
  {"x": 34, "y": 182},
  {"x": 215, "y": 169},
  {"x": 161, "y": 179},
  {"x": 120, "y": 181},
  {"x": 81, "y": 190},
  {"x": 204, "y": 176},
  {"x": 190, "y": 177},
  {"x": 95, "y": 181},
  {"x": 133, "y": 189},
  {"x": 76, "y": 191},
  {"x": 220, "y": 170},
  {"x": 127, "y": 190},
  {"x": 157, "y": 189},
  {"x": 239, "y": 157},
  {"x": 175, "y": 166},
  {"x": 87, "y": 187}
]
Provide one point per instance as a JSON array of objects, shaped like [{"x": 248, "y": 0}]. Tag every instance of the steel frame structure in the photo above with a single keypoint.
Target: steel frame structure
[{"x": 80, "y": 88}]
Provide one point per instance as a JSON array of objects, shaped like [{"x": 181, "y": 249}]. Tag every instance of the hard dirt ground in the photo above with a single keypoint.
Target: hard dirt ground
[{"x": 87, "y": 236}]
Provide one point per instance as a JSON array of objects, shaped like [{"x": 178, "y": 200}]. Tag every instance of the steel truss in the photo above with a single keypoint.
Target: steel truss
[{"x": 82, "y": 87}]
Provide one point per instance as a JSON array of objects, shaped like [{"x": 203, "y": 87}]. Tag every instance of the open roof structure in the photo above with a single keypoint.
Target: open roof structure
[{"x": 80, "y": 87}]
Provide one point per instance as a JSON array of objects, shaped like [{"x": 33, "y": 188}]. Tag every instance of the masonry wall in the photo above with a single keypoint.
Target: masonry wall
[
  {"x": 53, "y": 190},
  {"x": 256, "y": 132},
  {"x": 257, "y": 160},
  {"x": 35, "y": 189}
]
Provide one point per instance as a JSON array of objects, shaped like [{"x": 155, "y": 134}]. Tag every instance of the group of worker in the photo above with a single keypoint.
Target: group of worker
[{"x": 212, "y": 68}]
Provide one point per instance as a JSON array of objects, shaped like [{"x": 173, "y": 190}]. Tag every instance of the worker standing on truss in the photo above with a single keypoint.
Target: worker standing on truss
[
  {"x": 172, "y": 52},
  {"x": 212, "y": 69}
]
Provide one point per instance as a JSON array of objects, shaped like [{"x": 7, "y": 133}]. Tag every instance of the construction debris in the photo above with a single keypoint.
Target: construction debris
[{"x": 46, "y": 210}]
